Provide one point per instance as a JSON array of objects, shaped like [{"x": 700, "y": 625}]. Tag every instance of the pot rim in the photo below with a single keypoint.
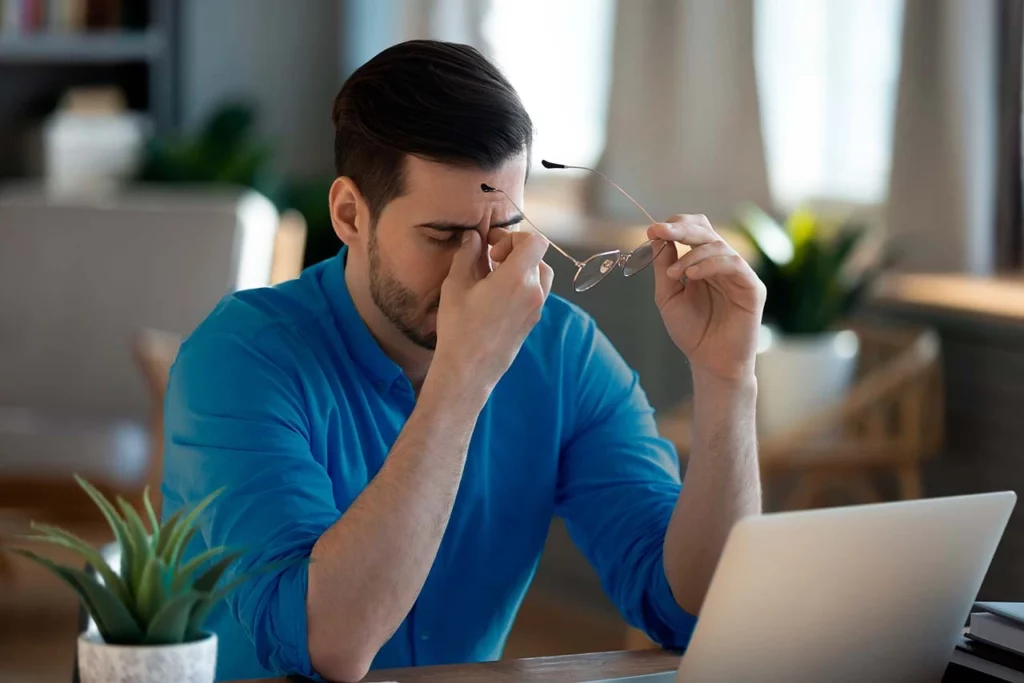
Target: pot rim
[{"x": 93, "y": 638}]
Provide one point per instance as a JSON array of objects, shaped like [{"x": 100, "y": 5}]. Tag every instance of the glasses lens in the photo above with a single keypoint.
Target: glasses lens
[
  {"x": 595, "y": 269},
  {"x": 642, "y": 257}
]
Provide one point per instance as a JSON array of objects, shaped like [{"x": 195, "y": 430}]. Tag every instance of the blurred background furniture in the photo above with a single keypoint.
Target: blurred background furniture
[
  {"x": 890, "y": 423},
  {"x": 84, "y": 284}
]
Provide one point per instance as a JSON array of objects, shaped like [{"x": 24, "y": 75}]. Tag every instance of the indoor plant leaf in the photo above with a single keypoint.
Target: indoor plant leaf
[
  {"x": 169, "y": 625},
  {"x": 117, "y": 525},
  {"x": 208, "y": 579},
  {"x": 181, "y": 534},
  {"x": 183, "y": 575},
  {"x": 152, "y": 591},
  {"x": 207, "y": 602},
  {"x": 167, "y": 532},
  {"x": 116, "y": 623},
  {"x": 140, "y": 547},
  {"x": 154, "y": 522},
  {"x": 55, "y": 536}
]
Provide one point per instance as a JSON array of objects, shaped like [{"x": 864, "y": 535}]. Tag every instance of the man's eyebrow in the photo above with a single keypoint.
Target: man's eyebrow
[{"x": 443, "y": 226}]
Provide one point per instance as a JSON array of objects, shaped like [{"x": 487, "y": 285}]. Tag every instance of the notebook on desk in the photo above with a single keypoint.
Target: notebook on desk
[{"x": 991, "y": 661}]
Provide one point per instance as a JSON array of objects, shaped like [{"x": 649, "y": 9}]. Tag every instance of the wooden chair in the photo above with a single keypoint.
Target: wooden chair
[
  {"x": 890, "y": 422},
  {"x": 154, "y": 352},
  {"x": 289, "y": 247}
]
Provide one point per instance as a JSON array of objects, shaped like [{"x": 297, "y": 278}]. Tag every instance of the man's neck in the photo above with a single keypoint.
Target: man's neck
[{"x": 412, "y": 358}]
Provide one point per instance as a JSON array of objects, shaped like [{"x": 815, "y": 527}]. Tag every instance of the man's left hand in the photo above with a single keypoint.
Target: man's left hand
[{"x": 714, "y": 317}]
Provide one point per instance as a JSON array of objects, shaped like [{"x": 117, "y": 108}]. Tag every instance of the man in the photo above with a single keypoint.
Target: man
[{"x": 411, "y": 413}]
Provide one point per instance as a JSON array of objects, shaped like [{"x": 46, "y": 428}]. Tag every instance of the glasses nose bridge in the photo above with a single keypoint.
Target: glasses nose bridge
[{"x": 620, "y": 262}]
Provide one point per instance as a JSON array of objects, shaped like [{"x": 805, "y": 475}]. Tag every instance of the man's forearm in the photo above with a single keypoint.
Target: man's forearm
[
  {"x": 369, "y": 568},
  {"x": 722, "y": 485}
]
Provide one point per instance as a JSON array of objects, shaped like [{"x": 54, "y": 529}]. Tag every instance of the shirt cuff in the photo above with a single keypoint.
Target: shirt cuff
[
  {"x": 668, "y": 624},
  {"x": 282, "y": 640}
]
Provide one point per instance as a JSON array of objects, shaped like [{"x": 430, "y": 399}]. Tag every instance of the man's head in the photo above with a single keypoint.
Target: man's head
[{"x": 418, "y": 128}]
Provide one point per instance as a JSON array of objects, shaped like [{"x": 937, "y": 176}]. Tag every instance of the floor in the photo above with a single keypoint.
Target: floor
[{"x": 39, "y": 619}]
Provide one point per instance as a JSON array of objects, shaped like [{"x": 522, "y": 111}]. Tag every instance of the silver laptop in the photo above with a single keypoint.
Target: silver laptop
[{"x": 869, "y": 593}]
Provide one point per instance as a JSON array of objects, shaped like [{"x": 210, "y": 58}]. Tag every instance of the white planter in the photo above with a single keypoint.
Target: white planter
[
  {"x": 186, "y": 663},
  {"x": 801, "y": 375}
]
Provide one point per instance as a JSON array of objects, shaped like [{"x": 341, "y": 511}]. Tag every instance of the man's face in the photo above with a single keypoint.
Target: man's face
[{"x": 410, "y": 250}]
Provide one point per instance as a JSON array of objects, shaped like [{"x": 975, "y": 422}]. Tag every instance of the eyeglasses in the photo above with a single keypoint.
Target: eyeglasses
[{"x": 594, "y": 269}]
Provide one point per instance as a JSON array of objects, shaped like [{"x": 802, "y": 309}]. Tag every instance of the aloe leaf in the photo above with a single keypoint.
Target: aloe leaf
[
  {"x": 141, "y": 550},
  {"x": 183, "y": 532},
  {"x": 154, "y": 523},
  {"x": 208, "y": 580},
  {"x": 117, "y": 525},
  {"x": 167, "y": 532},
  {"x": 202, "y": 608},
  {"x": 112, "y": 617},
  {"x": 59, "y": 537},
  {"x": 170, "y": 624},
  {"x": 183, "y": 575},
  {"x": 152, "y": 592}
]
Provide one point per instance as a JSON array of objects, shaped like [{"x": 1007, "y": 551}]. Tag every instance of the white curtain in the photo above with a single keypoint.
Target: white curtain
[
  {"x": 941, "y": 212},
  {"x": 683, "y": 127}
]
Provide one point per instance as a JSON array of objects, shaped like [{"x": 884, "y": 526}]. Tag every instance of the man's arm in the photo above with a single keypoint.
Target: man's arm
[
  {"x": 713, "y": 317},
  {"x": 722, "y": 485},
  {"x": 369, "y": 568}
]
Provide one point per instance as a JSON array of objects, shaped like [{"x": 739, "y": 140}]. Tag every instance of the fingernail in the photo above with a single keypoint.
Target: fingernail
[{"x": 674, "y": 270}]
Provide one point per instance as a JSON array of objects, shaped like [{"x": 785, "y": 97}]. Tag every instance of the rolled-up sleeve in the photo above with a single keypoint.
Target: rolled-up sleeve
[
  {"x": 617, "y": 487},
  {"x": 236, "y": 418}
]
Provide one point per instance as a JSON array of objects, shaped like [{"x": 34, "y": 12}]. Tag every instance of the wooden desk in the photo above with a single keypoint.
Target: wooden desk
[{"x": 567, "y": 669}]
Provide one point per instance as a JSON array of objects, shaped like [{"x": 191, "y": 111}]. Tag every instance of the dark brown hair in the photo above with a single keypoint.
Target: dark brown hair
[{"x": 440, "y": 101}]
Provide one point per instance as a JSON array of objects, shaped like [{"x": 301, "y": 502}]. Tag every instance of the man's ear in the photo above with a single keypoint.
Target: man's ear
[{"x": 350, "y": 214}]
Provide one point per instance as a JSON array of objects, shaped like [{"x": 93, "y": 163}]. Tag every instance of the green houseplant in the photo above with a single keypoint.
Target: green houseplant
[
  {"x": 816, "y": 272},
  {"x": 149, "y": 611},
  {"x": 226, "y": 149},
  {"x": 813, "y": 268}
]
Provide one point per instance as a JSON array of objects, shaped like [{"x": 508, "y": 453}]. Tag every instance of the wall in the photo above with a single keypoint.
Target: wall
[{"x": 284, "y": 55}]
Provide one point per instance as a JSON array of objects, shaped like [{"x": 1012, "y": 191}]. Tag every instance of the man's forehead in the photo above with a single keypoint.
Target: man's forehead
[{"x": 453, "y": 193}]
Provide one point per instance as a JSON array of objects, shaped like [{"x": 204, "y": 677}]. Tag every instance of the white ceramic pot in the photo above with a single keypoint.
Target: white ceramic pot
[
  {"x": 186, "y": 663},
  {"x": 798, "y": 376}
]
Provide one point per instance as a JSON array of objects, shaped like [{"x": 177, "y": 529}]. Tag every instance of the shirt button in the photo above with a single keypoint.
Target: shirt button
[{"x": 424, "y": 636}]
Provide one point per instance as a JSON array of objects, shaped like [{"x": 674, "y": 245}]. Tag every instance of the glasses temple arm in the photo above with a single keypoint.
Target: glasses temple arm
[
  {"x": 548, "y": 164},
  {"x": 488, "y": 188}
]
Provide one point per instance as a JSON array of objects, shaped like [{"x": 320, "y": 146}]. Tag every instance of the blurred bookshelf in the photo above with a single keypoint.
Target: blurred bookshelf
[
  {"x": 84, "y": 48},
  {"x": 50, "y": 46}
]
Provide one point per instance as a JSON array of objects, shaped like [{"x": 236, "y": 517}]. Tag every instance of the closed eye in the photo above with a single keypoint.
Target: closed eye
[{"x": 453, "y": 239}]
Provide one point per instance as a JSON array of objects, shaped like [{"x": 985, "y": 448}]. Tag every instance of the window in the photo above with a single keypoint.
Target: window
[
  {"x": 827, "y": 73},
  {"x": 558, "y": 57}
]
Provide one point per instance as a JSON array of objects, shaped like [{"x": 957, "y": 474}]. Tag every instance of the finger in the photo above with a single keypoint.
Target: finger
[
  {"x": 495, "y": 235},
  {"x": 698, "y": 254},
  {"x": 524, "y": 257},
  {"x": 502, "y": 247},
  {"x": 547, "y": 276},
  {"x": 666, "y": 286},
  {"x": 466, "y": 262},
  {"x": 728, "y": 265},
  {"x": 692, "y": 229}
]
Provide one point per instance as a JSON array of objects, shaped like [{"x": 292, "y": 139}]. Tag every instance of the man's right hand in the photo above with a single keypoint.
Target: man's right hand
[{"x": 485, "y": 316}]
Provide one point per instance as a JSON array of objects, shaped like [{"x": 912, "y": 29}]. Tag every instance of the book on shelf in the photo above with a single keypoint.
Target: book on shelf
[{"x": 28, "y": 17}]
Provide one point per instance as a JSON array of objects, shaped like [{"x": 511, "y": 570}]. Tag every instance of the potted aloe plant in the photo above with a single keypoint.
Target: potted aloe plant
[
  {"x": 150, "y": 611},
  {"x": 816, "y": 272}
]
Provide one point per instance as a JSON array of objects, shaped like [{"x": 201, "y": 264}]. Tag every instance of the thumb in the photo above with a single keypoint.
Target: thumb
[
  {"x": 466, "y": 263},
  {"x": 666, "y": 286}
]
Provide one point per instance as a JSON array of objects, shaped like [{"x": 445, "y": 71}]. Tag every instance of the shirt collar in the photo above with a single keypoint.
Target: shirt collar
[{"x": 361, "y": 345}]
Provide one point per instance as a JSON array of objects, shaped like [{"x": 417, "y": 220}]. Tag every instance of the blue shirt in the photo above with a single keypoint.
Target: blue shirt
[{"x": 283, "y": 397}]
